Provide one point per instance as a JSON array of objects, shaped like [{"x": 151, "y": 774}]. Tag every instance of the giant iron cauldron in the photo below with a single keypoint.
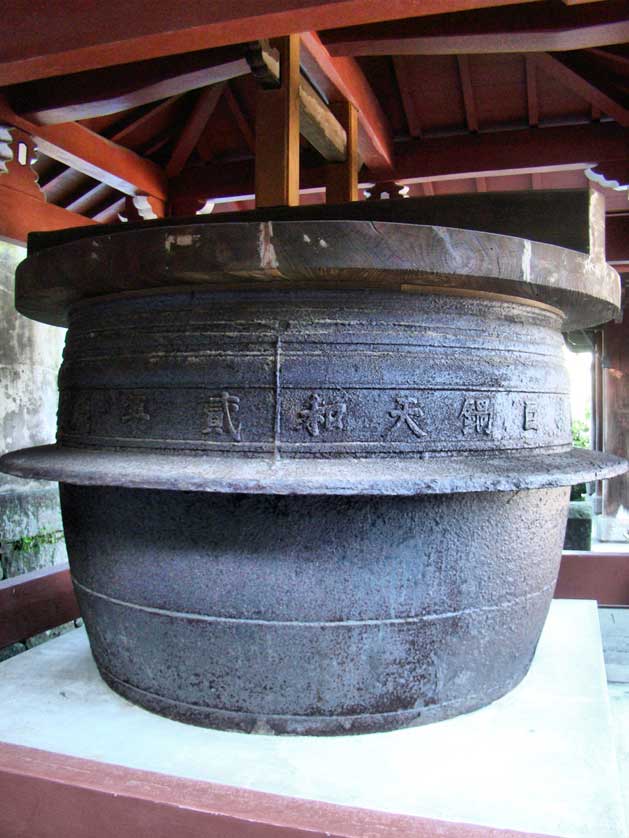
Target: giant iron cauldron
[{"x": 314, "y": 474}]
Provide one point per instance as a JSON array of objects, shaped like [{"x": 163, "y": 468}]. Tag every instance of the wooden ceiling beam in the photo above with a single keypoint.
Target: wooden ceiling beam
[
  {"x": 573, "y": 73},
  {"x": 342, "y": 79},
  {"x": 20, "y": 214},
  {"x": 203, "y": 109},
  {"x": 408, "y": 95},
  {"x": 527, "y": 27},
  {"x": 86, "y": 201},
  {"x": 39, "y": 41},
  {"x": 100, "y": 92},
  {"x": 446, "y": 158},
  {"x": 504, "y": 152},
  {"x": 467, "y": 88},
  {"x": 532, "y": 99},
  {"x": 317, "y": 123},
  {"x": 109, "y": 211},
  {"x": 241, "y": 120},
  {"x": 81, "y": 149},
  {"x": 143, "y": 129}
]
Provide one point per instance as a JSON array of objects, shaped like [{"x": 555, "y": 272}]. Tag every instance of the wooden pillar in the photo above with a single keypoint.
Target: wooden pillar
[
  {"x": 616, "y": 409},
  {"x": 342, "y": 178},
  {"x": 277, "y": 132}
]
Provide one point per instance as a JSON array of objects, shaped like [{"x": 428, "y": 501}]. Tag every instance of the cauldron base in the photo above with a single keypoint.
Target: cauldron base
[
  {"x": 314, "y": 614},
  {"x": 304, "y": 725}
]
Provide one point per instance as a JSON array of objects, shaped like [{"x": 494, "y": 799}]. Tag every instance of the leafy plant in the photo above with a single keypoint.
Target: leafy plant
[
  {"x": 580, "y": 433},
  {"x": 28, "y": 543}
]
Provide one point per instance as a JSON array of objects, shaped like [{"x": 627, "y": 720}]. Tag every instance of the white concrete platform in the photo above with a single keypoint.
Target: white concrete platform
[
  {"x": 541, "y": 759},
  {"x": 615, "y": 634}
]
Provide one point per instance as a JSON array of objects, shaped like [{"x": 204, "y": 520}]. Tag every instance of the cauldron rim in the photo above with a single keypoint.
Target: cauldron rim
[
  {"x": 389, "y": 256},
  {"x": 183, "y": 471}
]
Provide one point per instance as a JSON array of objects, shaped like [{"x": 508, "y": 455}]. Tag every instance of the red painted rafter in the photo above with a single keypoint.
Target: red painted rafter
[
  {"x": 531, "y": 90},
  {"x": 144, "y": 128},
  {"x": 467, "y": 89},
  {"x": 81, "y": 149},
  {"x": 408, "y": 94},
  {"x": 592, "y": 87},
  {"x": 203, "y": 109},
  {"x": 38, "y": 42},
  {"x": 527, "y": 27},
  {"x": 114, "y": 89},
  {"x": 342, "y": 78},
  {"x": 241, "y": 120}
]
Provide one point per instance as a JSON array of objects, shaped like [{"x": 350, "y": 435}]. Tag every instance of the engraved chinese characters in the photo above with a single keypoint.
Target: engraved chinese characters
[
  {"x": 320, "y": 415},
  {"x": 477, "y": 416},
  {"x": 221, "y": 416},
  {"x": 530, "y": 416},
  {"x": 317, "y": 385},
  {"x": 407, "y": 412}
]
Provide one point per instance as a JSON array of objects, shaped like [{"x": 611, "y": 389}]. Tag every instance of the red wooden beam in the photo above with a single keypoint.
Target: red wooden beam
[
  {"x": 342, "y": 78},
  {"x": 572, "y": 73},
  {"x": 600, "y": 576},
  {"x": 36, "y": 602},
  {"x": 37, "y": 41},
  {"x": 531, "y": 90},
  {"x": 467, "y": 88},
  {"x": 113, "y": 89},
  {"x": 76, "y": 146},
  {"x": 157, "y": 121},
  {"x": 46, "y": 795},
  {"x": 408, "y": 94},
  {"x": 203, "y": 109},
  {"x": 509, "y": 152},
  {"x": 241, "y": 120},
  {"x": 473, "y": 155},
  {"x": 527, "y": 27}
]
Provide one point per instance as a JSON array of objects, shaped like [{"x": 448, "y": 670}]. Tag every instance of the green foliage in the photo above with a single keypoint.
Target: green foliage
[
  {"x": 580, "y": 433},
  {"x": 29, "y": 543}
]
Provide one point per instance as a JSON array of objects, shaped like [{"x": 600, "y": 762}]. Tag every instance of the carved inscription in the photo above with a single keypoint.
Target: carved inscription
[
  {"x": 477, "y": 416},
  {"x": 221, "y": 416},
  {"x": 134, "y": 409},
  {"x": 530, "y": 416},
  {"x": 320, "y": 415},
  {"x": 409, "y": 414}
]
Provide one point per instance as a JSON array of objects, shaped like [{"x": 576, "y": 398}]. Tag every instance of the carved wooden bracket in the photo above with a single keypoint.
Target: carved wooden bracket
[
  {"x": 142, "y": 208},
  {"x": 17, "y": 154},
  {"x": 386, "y": 190},
  {"x": 611, "y": 175}
]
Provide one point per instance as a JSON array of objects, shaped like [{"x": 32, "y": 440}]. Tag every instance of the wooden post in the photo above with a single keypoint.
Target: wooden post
[
  {"x": 277, "y": 132},
  {"x": 342, "y": 178},
  {"x": 616, "y": 407}
]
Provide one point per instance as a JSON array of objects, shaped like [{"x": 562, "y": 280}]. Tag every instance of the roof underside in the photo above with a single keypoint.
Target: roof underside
[{"x": 498, "y": 97}]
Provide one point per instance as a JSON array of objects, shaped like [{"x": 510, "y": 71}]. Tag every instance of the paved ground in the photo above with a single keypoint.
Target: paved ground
[{"x": 615, "y": 633}]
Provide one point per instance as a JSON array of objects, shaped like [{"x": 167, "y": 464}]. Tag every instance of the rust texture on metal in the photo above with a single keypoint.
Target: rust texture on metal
[{"x": 299, "y": 496}]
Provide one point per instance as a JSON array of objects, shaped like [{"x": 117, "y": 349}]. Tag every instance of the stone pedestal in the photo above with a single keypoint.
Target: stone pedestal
[{"x": 540, "y": 760}]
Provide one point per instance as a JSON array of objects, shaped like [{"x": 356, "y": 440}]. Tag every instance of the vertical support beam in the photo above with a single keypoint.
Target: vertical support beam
[
  {"x": 277, "y": 132},
  {"x": 616, "y": 410},
  {"x": 597, "y": 412},
  {"x": 342, "y": 178}
]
